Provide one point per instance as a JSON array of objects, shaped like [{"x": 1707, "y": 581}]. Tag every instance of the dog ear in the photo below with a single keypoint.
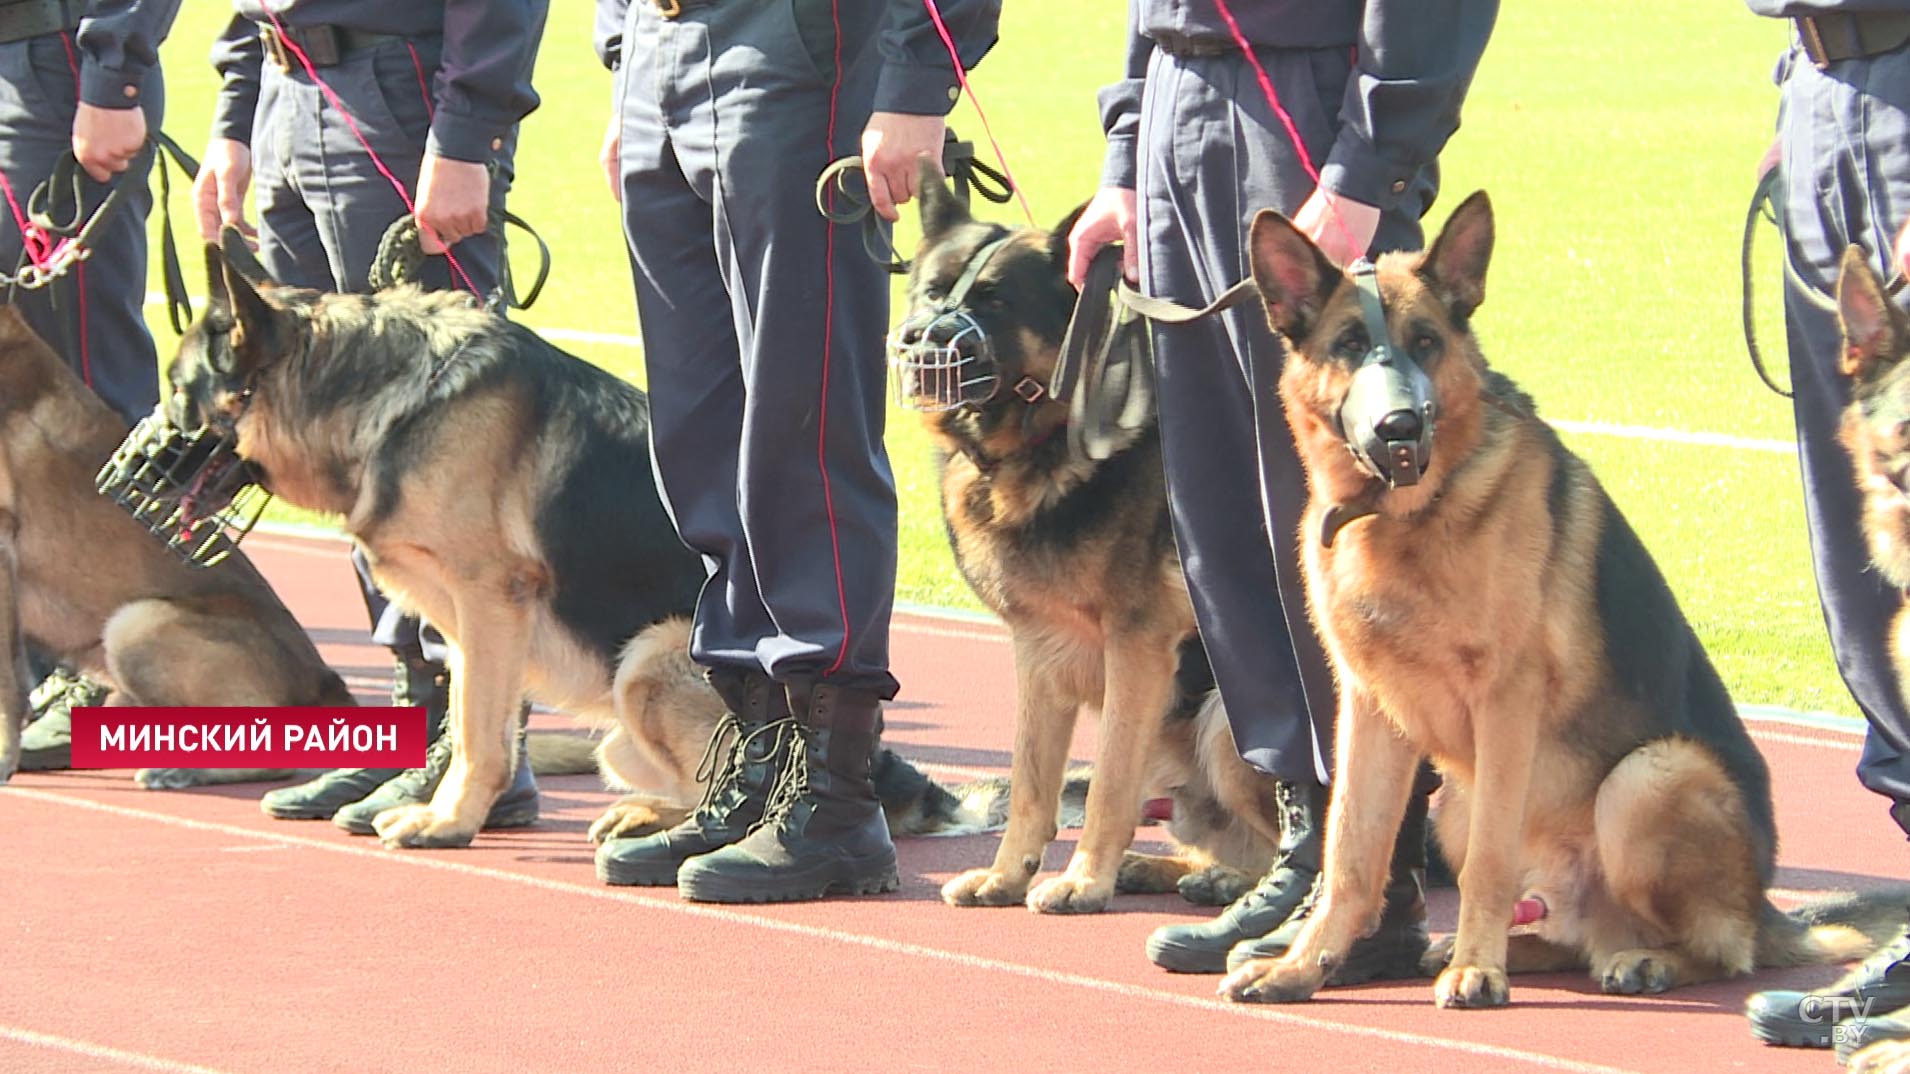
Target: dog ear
[
  {"x": 259, "y": 328},
  {"x": 1294, "y": 277},
  {"x": 1456, "y": 264},
  {"x": 1873, "y": 326},
  {"x": 1058, "y": 238},
  {"x": 941, "y": 209},
  {"x": 216, "y": 293}
]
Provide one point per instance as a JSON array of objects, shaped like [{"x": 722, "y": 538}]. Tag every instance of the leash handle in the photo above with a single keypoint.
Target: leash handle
[{"x": 845, "y": 181}]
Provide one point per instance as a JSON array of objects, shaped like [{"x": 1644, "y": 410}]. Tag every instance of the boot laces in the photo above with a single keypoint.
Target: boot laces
[
  {"x": 791, "y": 783},
  {"x": 723, "y": 770}
]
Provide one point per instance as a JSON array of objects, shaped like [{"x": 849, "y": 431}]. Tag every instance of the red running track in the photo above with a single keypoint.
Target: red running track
[{"x": 187, "y": 932}]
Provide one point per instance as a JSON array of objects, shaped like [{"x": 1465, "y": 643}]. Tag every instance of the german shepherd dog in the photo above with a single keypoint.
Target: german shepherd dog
[
  {"x": 1502, "y": 617},
  {"x": 85, "y": 584},
  {"x": 1876, "y": 427},
  {"x": 1077, "y": 557},
  {"x": 502, "y": 489}
]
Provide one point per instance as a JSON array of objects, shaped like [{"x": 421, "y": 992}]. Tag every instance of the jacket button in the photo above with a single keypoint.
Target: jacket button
[{"x": 1399, "y": 186}]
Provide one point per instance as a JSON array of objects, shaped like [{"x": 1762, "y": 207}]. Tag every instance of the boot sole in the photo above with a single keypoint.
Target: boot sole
[
  {"x": 1178, "y": 958},
  {"x": 1792, "y": 1036},
  {"x": 700, "y": 888},
  {"x": 1394, "y": 966},
  {"x": 51, "y": 759},
  {"x": 627, "y": 874}
]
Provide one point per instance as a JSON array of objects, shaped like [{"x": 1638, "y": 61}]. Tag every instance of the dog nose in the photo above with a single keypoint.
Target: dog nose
[{"x": 1399, "y": 425}]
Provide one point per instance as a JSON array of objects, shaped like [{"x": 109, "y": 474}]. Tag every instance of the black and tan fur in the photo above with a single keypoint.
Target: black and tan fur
[
  {"x": 1503, "y": 618},
  {"x": 1077, "y": 557},
  {"x": 83, "y": 583},
  {"x": 501, "y": 488},
  {"x": 1876, "y": 428}
]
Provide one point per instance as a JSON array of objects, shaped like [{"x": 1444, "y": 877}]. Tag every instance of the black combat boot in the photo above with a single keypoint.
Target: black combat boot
[
  {"x": 822, "y": 830},
  {"x": 515, "y": 808},
  {"x": 1394, "y": 949},
  {"x": 1202, "y": 947},
  {"x": 415, "y": 681},
  {"x": 737, "y": 769},
  {"x": 1813, "y": 1019},
  {"x": 47, "y": 743}
]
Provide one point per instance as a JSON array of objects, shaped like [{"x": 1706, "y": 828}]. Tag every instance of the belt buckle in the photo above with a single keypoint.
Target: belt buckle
[{"x": 669, "y": 9}]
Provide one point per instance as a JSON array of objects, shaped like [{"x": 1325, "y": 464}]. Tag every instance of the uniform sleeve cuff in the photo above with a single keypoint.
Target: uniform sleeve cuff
[
  {"x": 107, "y": 87},
  {"x": 464, "y": 138},
  {"x": 1119, "y": 167},
  {"x": 916, "y": 91},
  {"x": 1354, "y": 171}
]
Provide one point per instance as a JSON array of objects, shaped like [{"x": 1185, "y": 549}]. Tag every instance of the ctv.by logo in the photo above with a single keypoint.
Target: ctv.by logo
[{"x": 1846, "y": 1014}]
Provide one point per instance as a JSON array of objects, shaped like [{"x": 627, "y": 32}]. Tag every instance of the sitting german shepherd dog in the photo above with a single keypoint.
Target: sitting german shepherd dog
[
  {"x": 1077, "y": 557},
  {"x": 84, "y": 583},
  {"x": 1485, "y": 603},
  {"x": 1875, "y": 428},
  {"x": 502, "y": 488}
]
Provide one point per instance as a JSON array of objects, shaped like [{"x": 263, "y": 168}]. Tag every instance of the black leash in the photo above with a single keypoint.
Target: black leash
[
  {"x": 401, "y": 257},
  {"x": 1764, "y": 205},
  {"x": 844, "y": 183}
]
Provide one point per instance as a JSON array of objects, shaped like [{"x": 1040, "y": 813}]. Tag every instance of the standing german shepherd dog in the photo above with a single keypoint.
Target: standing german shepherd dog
[
  {"x": 1498, "y": 614},
  {"x": 1077, "y": 557},
  {"x": 84, "y": 583}
]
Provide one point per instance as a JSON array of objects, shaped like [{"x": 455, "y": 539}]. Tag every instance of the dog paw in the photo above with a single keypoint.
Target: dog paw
[
  {"x": 166, "y": 779},
  {"x": 623, "y": 821},
  {"x": 1470, "y": 987},
  {"x": 1070, "y": 895},
  {"x": 983, "y": 887},
  {"x": 420, "y": 826},
  {"x": 1216, "y": 885},
  {"x": 1638, "y": 971},
  {"x": 1271, "y": 980},
  {"x": 1883, "y": 1057},
  {"x": 1438, "y": 956}
]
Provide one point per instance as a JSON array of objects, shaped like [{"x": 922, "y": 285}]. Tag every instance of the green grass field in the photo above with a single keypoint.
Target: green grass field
[{"x": 1618, "y": 141}]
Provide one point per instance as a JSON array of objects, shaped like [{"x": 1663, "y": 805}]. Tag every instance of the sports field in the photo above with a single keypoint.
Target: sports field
[{"x": 1618, "y": 141}]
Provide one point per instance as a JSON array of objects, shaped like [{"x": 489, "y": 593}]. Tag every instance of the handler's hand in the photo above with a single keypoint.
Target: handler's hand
[
  {"x": 892, "y": 144},
  {"x": 105, "y": 140},
  {"x": 1108, "y": 218},
  {"x": 1341, "y": 227},
  {"x": 610, "y": 156},
  {"x": 454, "y": 200},
  {"x": 218, "y": 194},
  {"x": 1901, "y": 251}
]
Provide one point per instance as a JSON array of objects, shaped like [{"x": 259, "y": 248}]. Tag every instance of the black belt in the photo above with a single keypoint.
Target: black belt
[
  {"x": 325, "y": 46},
  {"x": 1826, "y": 39},
  {"x": 1193, "y": 48},
  {"x": 22, "y": 19}
]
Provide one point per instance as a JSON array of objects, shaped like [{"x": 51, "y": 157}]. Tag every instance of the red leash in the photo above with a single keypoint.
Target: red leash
[
  {"x": 404, "y": 196},
  {"x": 961, "y": 76}
]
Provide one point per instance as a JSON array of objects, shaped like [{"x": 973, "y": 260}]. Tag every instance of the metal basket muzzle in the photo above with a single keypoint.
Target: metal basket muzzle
[
  {"x": 943, "y": 362},
  {"x": 191, "y": 490}
]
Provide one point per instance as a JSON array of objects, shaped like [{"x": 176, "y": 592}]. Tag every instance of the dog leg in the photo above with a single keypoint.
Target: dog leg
[
  {"x": 1140, "y": 687},
  {"x": 1524, "y": 953},
  {"x": 1044, "y": 725},
  {"x": 634, "y": 815},
  {"x": 14, "y": 676},
  {"x": 1152, "y": 874},
  {"x": 1504, "y": 744},
  {"x": 487, "y": 684},
  {"x": 1372, "y": 778}
]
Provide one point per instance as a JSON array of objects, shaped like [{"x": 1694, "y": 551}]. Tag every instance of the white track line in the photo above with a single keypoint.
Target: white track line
[
  {"x": 818, "y": 933},
  {"x": 101, "y": 1051}
]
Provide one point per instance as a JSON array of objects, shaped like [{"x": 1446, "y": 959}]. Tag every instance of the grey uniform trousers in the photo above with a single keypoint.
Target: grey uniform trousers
[
  {"x": 323, "y": 207},
  {"x": 1211, "y": 154},
  {"x": 1846, "y": 161},
  {"x": 95, "y": 316},
  {"x": 763, "y": 329}
]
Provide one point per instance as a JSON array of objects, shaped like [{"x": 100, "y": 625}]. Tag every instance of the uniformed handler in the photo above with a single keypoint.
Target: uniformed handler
[
  {"x": 1195, "y": 148},
  {"x": 1844, "y": 142},
  {"x": 84, "y": 76},
  {"x": 436, "y": 89},
  {"x": 763, "y": 327}
]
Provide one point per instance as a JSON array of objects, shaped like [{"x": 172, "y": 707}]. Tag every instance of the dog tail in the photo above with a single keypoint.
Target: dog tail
[
  {"x": 560, "y": 753},
  {"x": 917, "y": 805},
  {"x": 1836, "y": 929}
]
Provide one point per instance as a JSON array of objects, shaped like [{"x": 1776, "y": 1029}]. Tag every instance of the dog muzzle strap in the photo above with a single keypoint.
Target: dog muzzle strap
[
  {"x": 942, "y": 357},
  {"x": 1388, "y": 413},
  {"x": 191, "y": 490}
]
